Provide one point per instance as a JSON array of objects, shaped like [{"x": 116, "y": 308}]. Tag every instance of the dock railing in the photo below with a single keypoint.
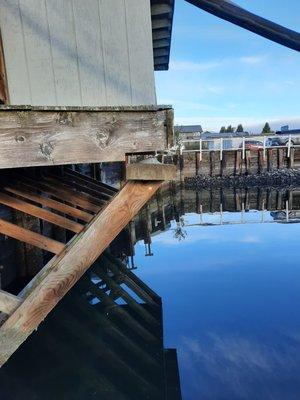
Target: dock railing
[{"x": 241, "y": 143}]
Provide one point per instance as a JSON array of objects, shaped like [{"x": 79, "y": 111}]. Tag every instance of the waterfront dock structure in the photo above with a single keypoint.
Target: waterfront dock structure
[
  {"x": 69, "y": 62},
  {"x": 76, "y": 87}
]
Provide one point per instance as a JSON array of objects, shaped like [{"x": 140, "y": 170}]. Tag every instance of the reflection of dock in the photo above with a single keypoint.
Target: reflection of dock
[
  {"x": 172, "y": 202},
  {"x": 104, "y": 340}
]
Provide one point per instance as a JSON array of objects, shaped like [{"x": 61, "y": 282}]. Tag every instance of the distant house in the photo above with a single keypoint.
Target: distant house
[
  {"x": 224, "y": 135},
  {"x": 189, "y": 132},
  {"x": 288, "y": 132}
]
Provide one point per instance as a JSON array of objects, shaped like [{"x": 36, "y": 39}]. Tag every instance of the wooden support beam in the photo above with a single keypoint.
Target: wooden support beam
[
  {"x": 62, "y": 272},
  {"x": 8, "y": 302},
  {"x": 35, "y": 239},
  {"x": 90, "y": 181},
  {"x": 3, "y": 80},
  {"x": 41, "y": 213},
  {"x": 69, "y": 187},
  {"x": 61, "y": 194},
  {"x": 33, "y": 136},
  {"x": 154, "y": 172},
  {"x": 21, "y": 191},
  {"x": 95, "y": 195}
]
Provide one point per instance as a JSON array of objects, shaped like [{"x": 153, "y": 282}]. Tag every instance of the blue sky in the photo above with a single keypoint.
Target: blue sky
[{"x": 221, "y": 74}]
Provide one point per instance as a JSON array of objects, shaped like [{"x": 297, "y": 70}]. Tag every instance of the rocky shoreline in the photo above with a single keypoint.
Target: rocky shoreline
[{"x": 276, "y": 179}]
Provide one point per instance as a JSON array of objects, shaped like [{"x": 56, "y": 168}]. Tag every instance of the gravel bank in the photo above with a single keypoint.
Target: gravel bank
[{"x": 276, "y": 179}]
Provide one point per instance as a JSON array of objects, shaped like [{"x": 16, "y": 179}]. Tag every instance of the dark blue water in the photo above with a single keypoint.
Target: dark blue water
[{"x": 231, "y": 300}]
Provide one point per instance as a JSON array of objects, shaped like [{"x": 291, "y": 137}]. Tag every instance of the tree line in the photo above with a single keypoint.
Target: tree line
[{"x": 240, "y": 129}]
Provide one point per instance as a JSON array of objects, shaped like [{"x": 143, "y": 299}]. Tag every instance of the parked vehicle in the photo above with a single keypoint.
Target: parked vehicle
[
  {"x": 283, "y": 137},
  {"x": 252, "y": 145},
  {"x": 273, "y": 142}
]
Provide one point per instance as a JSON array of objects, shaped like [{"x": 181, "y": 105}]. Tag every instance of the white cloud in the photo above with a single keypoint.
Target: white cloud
[
  {"x": 219, "y": 362},
  {"x": 191, "y": 66},
  {"x": 252, "y": 60}
]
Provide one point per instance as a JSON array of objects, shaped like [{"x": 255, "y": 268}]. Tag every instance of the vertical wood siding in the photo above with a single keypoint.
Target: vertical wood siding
[{"x": 78, "y": 53}]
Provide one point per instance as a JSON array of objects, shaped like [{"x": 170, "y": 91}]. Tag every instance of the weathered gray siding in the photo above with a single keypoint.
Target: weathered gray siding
[{"x": 78, "y": 52}]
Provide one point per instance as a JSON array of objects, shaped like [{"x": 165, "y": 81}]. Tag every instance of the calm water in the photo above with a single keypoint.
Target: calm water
[
  {"x": 231, "y": 300},
  {"x": 228, "y": 277}
]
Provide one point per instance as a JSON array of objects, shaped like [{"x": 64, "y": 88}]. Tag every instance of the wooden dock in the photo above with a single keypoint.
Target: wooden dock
[{"x": 92, "y": 213}]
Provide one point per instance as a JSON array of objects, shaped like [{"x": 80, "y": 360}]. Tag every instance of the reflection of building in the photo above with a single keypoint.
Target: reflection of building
[{"x": 104, "y": 340}]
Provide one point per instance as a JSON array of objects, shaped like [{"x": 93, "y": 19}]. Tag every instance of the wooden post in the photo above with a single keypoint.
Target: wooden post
[
  {"x": 270, "y": 160},
  {"x": 3, "y": 80},
  {"x": 291, "y": 159},
  {"x": 212, "y": 163},
  {"x": 63, "y": 271},
  {"x": 280, "y": 158},
  {"x": 238, "y": 162},
  {"x": 261, "y": 161},
  {"x": 223, "y": 164},
  {"x": 248, "y": 162},
  {"x": 198, "y": 163}
]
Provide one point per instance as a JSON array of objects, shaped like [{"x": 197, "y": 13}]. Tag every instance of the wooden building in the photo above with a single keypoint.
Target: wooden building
[{"x": 76, "y": 87}]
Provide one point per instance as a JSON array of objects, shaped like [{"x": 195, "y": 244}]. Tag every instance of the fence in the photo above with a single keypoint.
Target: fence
[{"x": 241, "y": 143}]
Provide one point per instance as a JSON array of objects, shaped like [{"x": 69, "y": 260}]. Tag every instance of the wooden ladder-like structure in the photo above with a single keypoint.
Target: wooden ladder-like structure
[{"x": 94, "y": 213}]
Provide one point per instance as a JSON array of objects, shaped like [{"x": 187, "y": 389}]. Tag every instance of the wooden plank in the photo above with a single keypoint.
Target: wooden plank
[
  {"x": 3, "y": 79},
  {"x": 38, "y": 137},
  {"x": 90, "y": 182},
  {"x": 60, "y": 274},
  {"x": 8, "y": 302},
  {"x": 270, "y": 159},
  {"x": 64, "y": 195},
  {"x": 68, "y": 187},
  {"x": 154, "y": 172},
  {"x": 41, "y": 213},
  {"x": 35, "y": 239},
  {"x": 95, "y": 195},
  {"x": 46, "y": 201}
]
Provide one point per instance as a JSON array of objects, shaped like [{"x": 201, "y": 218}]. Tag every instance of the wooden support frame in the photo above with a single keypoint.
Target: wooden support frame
[
  {"x": 41, "y": 295},
  {"x": 4, "y": 98},
  {"x": 41, "y": 136},
  {"x": 8, "y": 302}
]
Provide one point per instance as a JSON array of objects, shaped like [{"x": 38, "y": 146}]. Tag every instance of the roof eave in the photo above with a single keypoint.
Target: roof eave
[{"x": 162, "y": 12}]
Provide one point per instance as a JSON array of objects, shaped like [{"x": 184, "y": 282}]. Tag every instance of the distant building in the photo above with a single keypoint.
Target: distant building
[
  {"x": 289, "y": 132},
  {"x": 189, "y": 132},
  {"x": 224, "y": 135}
]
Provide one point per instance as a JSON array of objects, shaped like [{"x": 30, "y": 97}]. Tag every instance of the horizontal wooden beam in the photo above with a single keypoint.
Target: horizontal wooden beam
[
  {"x": 41, "y": 136},
  {"x": 90, "y": 182},
  {"x": 60, "y": 274},
  {"x": 8, "y": 302},
  {"x": 3, "y": 79},
  {"x": 27, "y": 236},
  {"x": 22, "y": 191},
  {"x": 39, "y": 212},
  {"x": 153, "y": 172},
  {"x": 61, "y": 194}
]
